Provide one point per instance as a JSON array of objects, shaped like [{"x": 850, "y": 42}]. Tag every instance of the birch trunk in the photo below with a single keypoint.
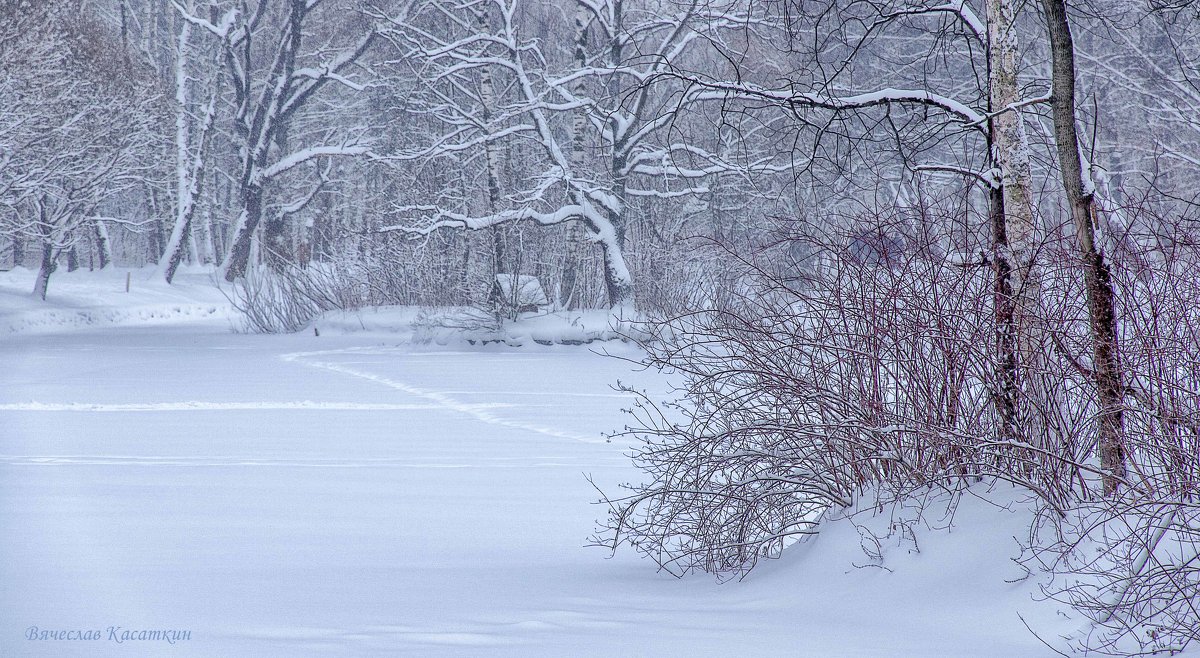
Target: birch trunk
[
  {"x": 1016, "y": 252},
  {"x": 189, "y": 165},
  {"x": 568, "y": 294},
  {"x": 492, "y": 158}
]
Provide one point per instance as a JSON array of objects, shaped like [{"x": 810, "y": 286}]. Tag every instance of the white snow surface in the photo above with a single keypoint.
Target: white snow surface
[{"x": 350, "y": 494}]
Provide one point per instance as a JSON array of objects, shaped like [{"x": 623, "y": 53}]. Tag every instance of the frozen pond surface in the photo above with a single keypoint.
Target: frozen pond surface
[{"x": 298, "y": 495}]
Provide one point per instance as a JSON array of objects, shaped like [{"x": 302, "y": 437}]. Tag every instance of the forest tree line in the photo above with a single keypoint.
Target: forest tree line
[{"x": 596, "y": 145}]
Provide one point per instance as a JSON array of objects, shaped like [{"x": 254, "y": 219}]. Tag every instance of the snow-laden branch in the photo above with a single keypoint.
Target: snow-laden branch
[
  {"x": 728, "y": 91},
  {"x": 988, "y": 177},
  {"x": 960, "y": 9},
  {"x": 1016, "y": 106},
  {"x": 305, "y": 155},
  {"x": 447, "y": 219},
  {"x": 307, "y": 81},
  {"x": 221, "y": 30}
]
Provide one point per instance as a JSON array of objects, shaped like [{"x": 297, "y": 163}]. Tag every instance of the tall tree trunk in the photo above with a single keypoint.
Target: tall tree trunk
[
  {"x": 277, "y": 236},
  {"x": 568, "y": 290},
  {"x": 189, "y": 165},
  {"x": 220, "y": 230},
  {"x": 207, "y": 246},
  {"x": 1096, "y": 275},
  {"x": 47, "y": 268},
  {"x": 261, "y": 126},
  {"x": 492, "y": 161},
  {"x": 617, "y": 281},
  {"x": 180, "y": 234},
  {"x": 1010, "y": 154}
]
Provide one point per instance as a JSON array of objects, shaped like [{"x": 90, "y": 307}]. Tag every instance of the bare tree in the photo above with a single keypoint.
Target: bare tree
[
  {"x": 1080, "y": 191},
  {"x": 194, "y": 126},
  {"x": 483, "y": 87},
  {"x": 274, "y": 74}
]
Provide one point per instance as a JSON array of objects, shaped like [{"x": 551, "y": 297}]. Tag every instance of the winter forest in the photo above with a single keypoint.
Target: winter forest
[{"x": 373, "y": 327}]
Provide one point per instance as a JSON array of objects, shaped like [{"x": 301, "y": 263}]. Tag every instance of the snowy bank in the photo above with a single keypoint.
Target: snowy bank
[
  {"x": 91, "y": 299},
  {"x": 470, "y": 326},
  {"x": 95, "y": 299}
]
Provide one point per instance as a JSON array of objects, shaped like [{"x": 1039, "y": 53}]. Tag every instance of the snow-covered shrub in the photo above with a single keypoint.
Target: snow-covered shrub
[
  {"x": 1131, "y": 563},
  {"x": 800, "y": 390},
  {"x": 804, "y": 387},
  {"x": 287, "y": 299},
  {"x": 441, "y": 324}
]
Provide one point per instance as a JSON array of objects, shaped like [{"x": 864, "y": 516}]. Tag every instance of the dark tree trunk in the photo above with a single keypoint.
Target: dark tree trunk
[
  {"x": 175, "y": 256},
  {"x": 48, "y": 265},
  {"x": 1005, "y": 316},
  {"x": 103, "y": 244},
  {"x": 239, "y": 253},
  {"x": 276, "y": 247},
  {"x": 42, "y": 283},
  {"x": 616, "y": 276},
  {"x": 18, "y": 251},
  {"x": 1096, "y": 275}
]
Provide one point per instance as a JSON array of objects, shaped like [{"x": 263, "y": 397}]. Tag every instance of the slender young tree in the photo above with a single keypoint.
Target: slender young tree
[
  {"x": 194, "y": 126},
  {"x": 1080, "y": 190}
]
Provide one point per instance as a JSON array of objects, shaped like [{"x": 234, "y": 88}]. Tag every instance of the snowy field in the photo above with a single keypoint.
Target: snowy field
[{"x": 356, "y": 495}]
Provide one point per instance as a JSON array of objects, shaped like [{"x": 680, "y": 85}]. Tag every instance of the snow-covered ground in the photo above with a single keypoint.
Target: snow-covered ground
[{"x": 355, "y": 495}]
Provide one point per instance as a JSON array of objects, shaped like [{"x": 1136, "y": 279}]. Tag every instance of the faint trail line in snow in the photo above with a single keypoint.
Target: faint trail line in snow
[
  {"x": 618, "y": 396},
  {"x": 231, "y": 406},
  {"x": 162, "y": 460},
  {"x": 472, "y": 410},
  {"x": 393, "y": 634}
]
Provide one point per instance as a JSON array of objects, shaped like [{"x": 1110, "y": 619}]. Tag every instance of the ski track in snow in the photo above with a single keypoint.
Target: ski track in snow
[
  {"x": 233, "y": 406},
  {"x": 158, "y": 460},
  {"x": 437, "y": 400},
  {"x": 440, "y": 398}
]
